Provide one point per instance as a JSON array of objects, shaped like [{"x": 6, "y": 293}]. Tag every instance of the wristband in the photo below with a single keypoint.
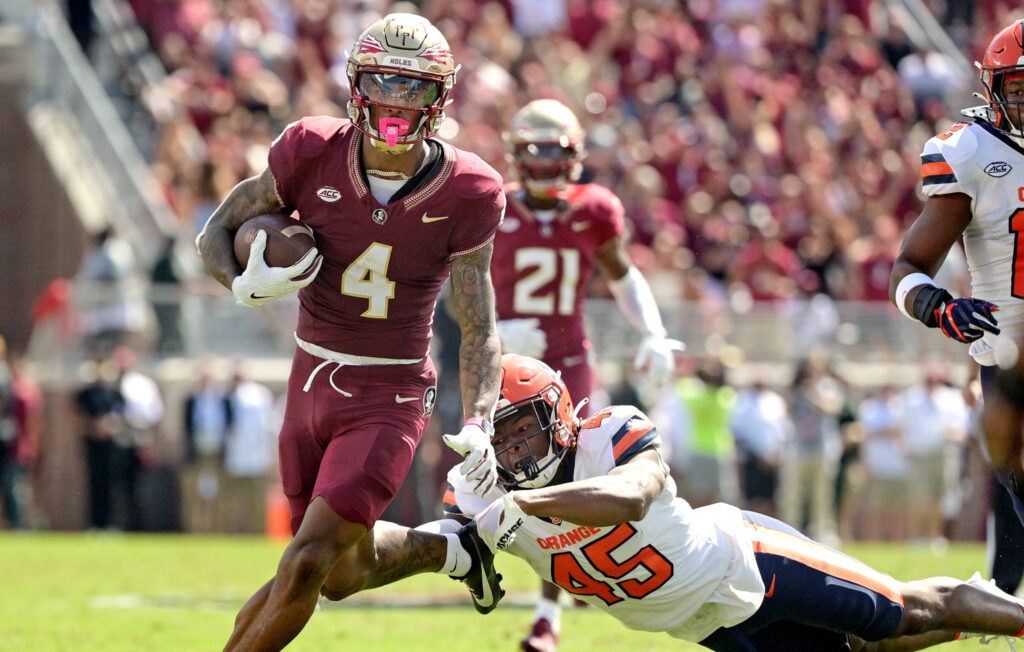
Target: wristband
[
  {"x": 928, "y": 302},
  {"x": 908, "y": 283},
  {"x": 482, "y": 424}
]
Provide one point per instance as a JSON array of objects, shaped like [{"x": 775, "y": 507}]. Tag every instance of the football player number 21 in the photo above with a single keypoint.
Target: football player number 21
[
  {"x": 567, "y": 572},
  {"x": 528, "y": 298},
  {"x": 367, "y": 277}
]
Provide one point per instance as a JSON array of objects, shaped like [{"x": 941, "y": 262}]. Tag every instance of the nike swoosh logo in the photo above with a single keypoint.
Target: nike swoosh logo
[
  {"x": 428, "y": 220},
  {"x": 580, "y": 226},
  {"x": 771, "y": 589},
  {"x": 405, "y": 399},
  {"x": 253, "y": 295}
]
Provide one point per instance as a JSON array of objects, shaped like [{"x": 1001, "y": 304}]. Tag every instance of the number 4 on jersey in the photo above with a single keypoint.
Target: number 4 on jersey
[{"x": 367, "y": 277}]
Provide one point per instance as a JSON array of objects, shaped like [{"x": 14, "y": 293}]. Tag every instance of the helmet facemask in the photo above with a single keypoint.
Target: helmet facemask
[
  {"x": 376, "y": 93},
  {"x": 401, "y": 63},
  {"x": 546, "y": 168},
  {"x": 545, "y": 144},
  {"x": 1010, "y": 113},
  {"x": 527, "y": 459}
]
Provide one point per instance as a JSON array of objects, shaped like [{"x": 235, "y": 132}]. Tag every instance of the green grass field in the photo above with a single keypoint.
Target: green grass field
[{"x": 114, "y": 592}]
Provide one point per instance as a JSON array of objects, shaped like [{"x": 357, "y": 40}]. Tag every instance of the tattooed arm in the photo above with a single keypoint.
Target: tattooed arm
[
  {"x": 480, "y": 352},
  {"x": 251, "y": 197}
]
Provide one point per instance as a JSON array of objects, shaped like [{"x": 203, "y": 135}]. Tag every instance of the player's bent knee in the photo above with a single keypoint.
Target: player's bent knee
[
  {"x": 310, "y": 561},
  {"x": 344, "y": 580}
]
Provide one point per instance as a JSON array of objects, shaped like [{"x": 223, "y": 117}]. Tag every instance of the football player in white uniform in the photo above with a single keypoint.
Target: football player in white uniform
[
  {"x": 973, "y": 178},
  {"x": 591, "y": 507},
  {"x": 557, "y": 232}
]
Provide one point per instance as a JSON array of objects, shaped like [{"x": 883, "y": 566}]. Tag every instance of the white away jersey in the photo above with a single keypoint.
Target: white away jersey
[
  {"x": 683, "y": 571},
  {"x": 978, "y": 160}
]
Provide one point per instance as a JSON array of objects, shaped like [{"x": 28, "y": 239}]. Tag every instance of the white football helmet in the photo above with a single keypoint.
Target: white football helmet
[
  {"x": 400, "y": 62},
  {"x": 545, "y": 143}
]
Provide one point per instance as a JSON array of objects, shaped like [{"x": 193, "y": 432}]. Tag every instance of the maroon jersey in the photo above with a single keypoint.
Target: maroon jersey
[
  {"x": 542, "y": 270},
  {"x": 383, "y": 265}
]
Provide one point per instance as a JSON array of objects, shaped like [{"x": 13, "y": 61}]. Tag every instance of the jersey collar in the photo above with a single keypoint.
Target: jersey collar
[{"x": 999, "y": 134}]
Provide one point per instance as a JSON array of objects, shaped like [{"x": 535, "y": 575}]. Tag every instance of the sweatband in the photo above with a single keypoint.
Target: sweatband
[{"x": 908, "y": 283}]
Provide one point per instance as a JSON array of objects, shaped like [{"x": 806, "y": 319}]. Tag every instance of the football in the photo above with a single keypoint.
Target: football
[{"x": 288, "y": 240}]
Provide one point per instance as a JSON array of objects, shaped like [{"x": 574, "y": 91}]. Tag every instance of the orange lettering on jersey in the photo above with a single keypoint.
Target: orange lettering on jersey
[
  {"x": 568, "y": 539},
  {"x": 596, "y": 420},
  {"x": 952, "y": 130}
]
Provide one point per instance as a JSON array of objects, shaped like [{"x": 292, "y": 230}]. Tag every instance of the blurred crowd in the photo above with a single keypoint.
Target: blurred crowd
[
  {"x": 840, "y": 461},
  {"x": 764, "y": 149}
]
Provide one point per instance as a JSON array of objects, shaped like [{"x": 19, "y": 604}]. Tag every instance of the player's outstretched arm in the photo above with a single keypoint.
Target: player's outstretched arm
[
  {"x": 624, "y": 494},
  {"x": 480, "y": 351},
  {"x": 251, "y": 197},
  {"x": 656, "y": 355}
]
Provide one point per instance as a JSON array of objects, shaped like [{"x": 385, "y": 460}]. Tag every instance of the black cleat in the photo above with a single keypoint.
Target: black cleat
[{"x": 484, "y": 584}]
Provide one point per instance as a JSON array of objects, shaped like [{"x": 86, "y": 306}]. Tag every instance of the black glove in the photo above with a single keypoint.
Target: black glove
[{"x": 966, "y": 319}]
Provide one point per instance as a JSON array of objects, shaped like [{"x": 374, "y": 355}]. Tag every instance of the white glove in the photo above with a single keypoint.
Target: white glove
[
  {"x": 656, "y": 355},
  {"x": 523, "y": 336},
  {"x": 260, "y": 284},
  {"x": 474, "y": 443},
  {"x": 497, "y": 525}
]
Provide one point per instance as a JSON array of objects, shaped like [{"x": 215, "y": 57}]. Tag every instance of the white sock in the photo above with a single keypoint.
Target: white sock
[
  {"x": 551, "y": 611},
  {"x": 457, "y": 562}
]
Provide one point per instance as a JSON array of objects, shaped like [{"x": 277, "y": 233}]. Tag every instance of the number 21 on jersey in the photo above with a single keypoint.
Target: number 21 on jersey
[{"x": 528, "y": 298}]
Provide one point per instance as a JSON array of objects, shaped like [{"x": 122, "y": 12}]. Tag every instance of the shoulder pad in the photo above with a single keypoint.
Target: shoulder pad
[
  {"x": 473, "y": 178},
  {"x": 309, "y": 136},
  {"x": 957, "y": 144}
]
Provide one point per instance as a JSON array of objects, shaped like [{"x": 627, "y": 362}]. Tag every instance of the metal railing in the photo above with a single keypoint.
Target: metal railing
[
  {"x": 869, "y": 341},
  {"x": 85, "y": 138}
]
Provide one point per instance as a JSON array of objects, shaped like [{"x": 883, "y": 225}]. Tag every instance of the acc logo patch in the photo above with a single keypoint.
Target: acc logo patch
[
  {"x": 329, "y": 194},
  {"x": 998, "y": 169},
  {"x": 429, "y": 398}
]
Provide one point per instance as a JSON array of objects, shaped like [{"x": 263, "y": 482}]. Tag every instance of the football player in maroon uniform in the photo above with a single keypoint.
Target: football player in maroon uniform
[
  {"x": 395, "y": 213},
  {"x": 555, "y": 233}
]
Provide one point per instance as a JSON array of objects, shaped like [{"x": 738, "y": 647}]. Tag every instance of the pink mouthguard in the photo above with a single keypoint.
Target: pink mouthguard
[{"x": 393, "y": 128}]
